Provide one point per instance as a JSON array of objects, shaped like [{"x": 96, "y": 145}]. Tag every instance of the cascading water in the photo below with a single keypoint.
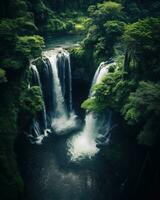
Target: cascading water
[
  {"x": 38, "y": 129},
  {"x": 63, "y": 117},
  {"x": 85, "y": 144},
  {"x": 55, "y": 82}
]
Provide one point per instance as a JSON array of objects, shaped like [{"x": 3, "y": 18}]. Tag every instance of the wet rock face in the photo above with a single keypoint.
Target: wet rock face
[
  {"x": 80, "y": 86},
  {"x": 82, "y": 73},
  {"x": 80, "y": 91},
  {"x": 80, "y": 83}
]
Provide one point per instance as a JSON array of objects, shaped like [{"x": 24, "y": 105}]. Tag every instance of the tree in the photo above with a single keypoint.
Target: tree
[
  {"x": 103, "y": 12},
  {"x": 29, "y": 46},
  {"x": 143, "y": 103},
  {"x": 143, "y": 107},
  {"x": 31, "y": 101},
  {"x": 106, "y": 27},
  {"x": 142, "y": 41}
]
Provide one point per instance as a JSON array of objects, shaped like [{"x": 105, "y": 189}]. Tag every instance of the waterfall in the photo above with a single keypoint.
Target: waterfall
[
  {"x": 55, "y": 82},
  {"x": 85, "y": 143},
  {"x": 54, "y": 79},
  {"x": 38, "y": 129},
  {"x": 63, "y": 117},
  {"x": 60, "y": 109}
]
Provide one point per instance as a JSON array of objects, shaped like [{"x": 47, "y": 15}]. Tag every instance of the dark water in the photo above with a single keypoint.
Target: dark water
[
  {"x": 65, "y": 41},
  {"x": 49, "y": 174}
]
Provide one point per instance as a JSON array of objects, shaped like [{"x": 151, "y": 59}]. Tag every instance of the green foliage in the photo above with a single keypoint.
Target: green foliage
[
  {"x": 144, "y": 106},
  {"x": 7, "y": 33},
  {"x": 111, "y": 92},
  {"x": 78, "y": 52},
  {"x": 105, "y": 11},
  {"x": 30, "y": 46},
  {"x": 94, "y": 105},
  {"x": 70, "y": 25},
  {"x": 11, "y": 63},
  {"x": 25, "y": 26},
  {"x": 75, "y": 21},
  {"x": 31, "y": 101},
  {"x": 132, "y": 90},
  {"x": 78, "y": 56},
  {"x": 105, "y": 28},
  {"x": 82, "y": 62},
  {"x": 143, "y": 103},
  {"x": 10, "y": 180},
  {"x": 114, "y": 29},
  {"x": 116, "y": 93},
  {"x": 20, "y": 22},
  {"x": 142, "y": 40},
  {"x": 138, "y": 10},
  {"x": 15, "y": 47},
  {"x": 9, "y": 119},
  {"x": 140, "y": 34},
  {"x": 2, "y": 76},
  {"x": 54, "y": 25}
]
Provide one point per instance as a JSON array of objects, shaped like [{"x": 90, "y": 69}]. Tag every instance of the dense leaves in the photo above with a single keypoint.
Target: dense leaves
[
  {"x": 143, "y": 43},
  {"x": 144, "y": 106},
  {"x": 143, "y": 103},
  {"x": 30, "y": 46},
  {"x": 31, "y": 101},
  {"x": 105, "y": 28},
  {"x": 133, "y": 88}
]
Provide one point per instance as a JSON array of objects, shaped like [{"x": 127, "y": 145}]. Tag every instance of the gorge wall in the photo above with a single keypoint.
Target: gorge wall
[{"x": 20, "y": 41}]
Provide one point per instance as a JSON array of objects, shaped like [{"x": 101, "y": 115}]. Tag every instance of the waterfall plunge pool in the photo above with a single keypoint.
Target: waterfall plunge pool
[
  {"x": 55, "y": 82},
  {"x": 66, "y": 167},
  {"x": 50, "y": 174}
]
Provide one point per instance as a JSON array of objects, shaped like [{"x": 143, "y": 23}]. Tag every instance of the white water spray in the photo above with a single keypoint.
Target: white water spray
[
  {"x": 39, "y": 126},
  {"x": 84, "y": 144},
  {"x": 64, "y": 117}
]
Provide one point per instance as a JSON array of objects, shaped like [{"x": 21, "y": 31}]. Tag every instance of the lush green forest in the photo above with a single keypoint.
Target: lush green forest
[{"x": 125, "y": 31}]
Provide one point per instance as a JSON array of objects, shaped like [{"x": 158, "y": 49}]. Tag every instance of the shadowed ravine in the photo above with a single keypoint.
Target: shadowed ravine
[
  {"x": 64, "y": 166},
  {"x": 79, "y": 100}
]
